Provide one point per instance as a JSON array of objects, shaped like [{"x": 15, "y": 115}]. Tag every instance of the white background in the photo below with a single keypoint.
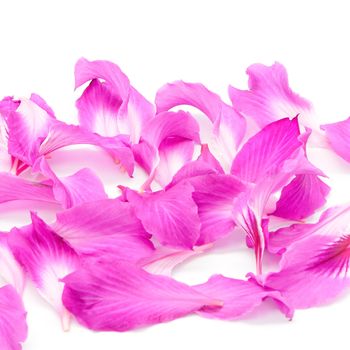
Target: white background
[{"x": 211, "y": 42}]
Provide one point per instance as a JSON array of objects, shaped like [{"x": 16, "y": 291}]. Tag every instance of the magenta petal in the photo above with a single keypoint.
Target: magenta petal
[
  {"x": 269, "y": 97},
  {"x": 171, "y": 216},
  {"x": 46, "y": 258},
  {"x": 127, "y": 297},
  {"x": 338, "y": 135},
  {"x": 83, "y": 186},
  {"x": 16, "y": 188},
  {"x": 13, "y": 325},
  {"x": 134, "y": 110},
  {"x": 62, "y": 135},
  {"x": 239, "y": 297},
  {"x": 26, "y": 128},
  {"x": 104, "y": 228},
  {"x": 264, "y": 153},
  {"x": 307, "y": 189},
  {"x": 332, "y": 221},
  {"x": 313, "y": 271},
  {"x": 228, "y": 125}
]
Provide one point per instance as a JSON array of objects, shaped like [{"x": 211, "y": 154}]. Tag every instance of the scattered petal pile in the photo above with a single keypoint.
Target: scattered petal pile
[{"x": 107, "y": 262}]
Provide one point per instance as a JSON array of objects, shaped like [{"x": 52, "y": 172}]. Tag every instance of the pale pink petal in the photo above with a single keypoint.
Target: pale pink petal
[
  {"x": 239, "y": 297},
  {"x": 83, "y": 186},
  {"x": 10, "y": 270},
  {"x": 171, "y": 216},
  {"x": 338, "y": 135},
  {"x": 269, "y": 97},
  {"x": 13, "y": 325},
  {"x": 16, "y": 188},
  {"x": 38, "y": 100},
  {"x": 128, "y": 297},
  {"x": 104, "y": 228},
  {"x": 228, "y": 125},
  {"x": 302, "y": 197},
  {"x": 332, "y": 221},
  {"x": 165, "y": 259},
  {"x": 46, "y": 258}
]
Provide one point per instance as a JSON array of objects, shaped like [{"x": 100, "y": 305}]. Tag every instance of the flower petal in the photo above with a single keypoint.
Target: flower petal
[
  {"x": 162, "y": 215},
  {"x": 228, "y": 125},
  {"x": 134, "y": 110},
  {"x": 13, "y": 325},
  {"x": 338, "y": 135},
  {"x": 46, "y": 258},
  {"x": 128, "y": 297},
  {"x": 332, "y": 221},
  {"x": 313, "y": 271},
  {"x": 104, "y": 228},
  {"x": 269, "y": 97},
  {"x": 83, "y": 186},
  {"x": 307, "y": 189},
  {"x": 240, "y": 297}
]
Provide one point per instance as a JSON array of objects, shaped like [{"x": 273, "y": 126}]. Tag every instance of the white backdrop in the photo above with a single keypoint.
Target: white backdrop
[{"x": 211, "y": 42}]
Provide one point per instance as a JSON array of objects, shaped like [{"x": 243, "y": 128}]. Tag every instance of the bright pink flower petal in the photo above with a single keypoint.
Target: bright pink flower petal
[
  {"x": 13, "y": 325},
  {"x": 171, "y": 216},
  {"x": 307, "y": 189},
  {"x": 128, "y": 297},
  {"x": 167, "y": 145},
  {"x": 104, "y": 228},
  {"x": 338, "y": 135},
  {"x": 16, "y": 188},
  {"x": 228, "y": 125},
  {"x": 98, "y": 109},
  {"x": 26, "y": 128},
  {"x": 46, "y": 258},
  {"x": 332, "y": 221},
  {"x": 239, "y": 297},
  {"x": 265, "y": 153},
  {"x": 83, "y": 186},
  {"x": 269, "y": 97},
  {"x": 63, "y": 135},
  {"x": 10, "y": 270},
  {"x": 313, "y": 271},
  {"x": 134, "y": 110}
]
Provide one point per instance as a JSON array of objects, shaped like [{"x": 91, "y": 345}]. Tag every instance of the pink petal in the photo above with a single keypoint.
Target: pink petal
[
  {"x": 83, "y": 186},
  {"x": 332, "y": 221},
  {"x": 167, "y": 145},
  {"x": 16, "y": 188},
  {"x": 13, "y": 325},
  {"x": 134, "y": 110},
  {"x": 27, "y": 127},
  {"x": 104, "y": 228},
  {"x": 338, "y": 134},
  {"x": 171, "y": 215},
  {"x": 264, "y": 153},
  {"x": 228, "y": 125},
  {"x": 46, "y": 258},
  {"x": 128, "y": 297},
  {"x": 269, "y": 97},
  {"x": 307, "y": 189},
  {"x": 62, "y": 135},
  {"x": 10, "y": 270},
  {"x": 240, "y": 297},
  {"x": 313, "y": 271}
]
